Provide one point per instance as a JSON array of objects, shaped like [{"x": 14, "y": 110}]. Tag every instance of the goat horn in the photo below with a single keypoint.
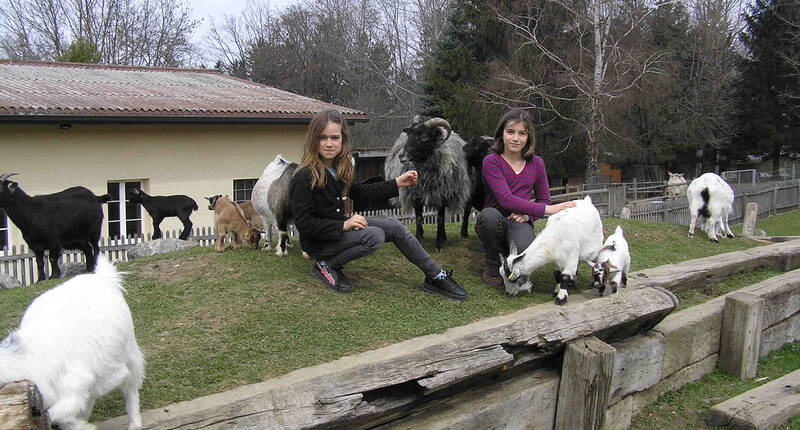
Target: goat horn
[
  {"x": 4, "y": 177},
  {"x": 417, "y": 119},
  {"x": 440, "y": 122}
]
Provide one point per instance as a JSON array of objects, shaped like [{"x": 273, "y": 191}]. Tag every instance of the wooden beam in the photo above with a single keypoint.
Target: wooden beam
[
  {"x": 741, "y": 334},
  {"x": 21, "y": 407},
  {"x": 585, "y": 384}
]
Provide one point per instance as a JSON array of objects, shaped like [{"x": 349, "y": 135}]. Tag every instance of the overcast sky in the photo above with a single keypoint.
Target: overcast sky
[{"x": 206, "y": 10}]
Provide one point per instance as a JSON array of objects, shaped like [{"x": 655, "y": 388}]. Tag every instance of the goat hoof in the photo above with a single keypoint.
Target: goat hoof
[
  {"x": 731, "y": 236},
  {"x": 614, "y": 290},
  {"x": 715, "y": 240}
]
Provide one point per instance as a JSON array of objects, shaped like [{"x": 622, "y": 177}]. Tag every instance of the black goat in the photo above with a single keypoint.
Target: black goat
[
  {"x": 475, "y": 150},
  {"x": 436, "y": 153},
  {"x": 160, "y": 207},
  {"x": 69, "y": 219}
]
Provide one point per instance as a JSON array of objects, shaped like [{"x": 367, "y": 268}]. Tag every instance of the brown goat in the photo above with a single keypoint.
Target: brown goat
[
  {"x": 229, "y": 221},
  {"x": 251, "y": 216}
]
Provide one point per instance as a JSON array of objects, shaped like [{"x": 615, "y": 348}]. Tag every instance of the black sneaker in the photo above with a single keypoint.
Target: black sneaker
[
  {"x": 447, "y": 287},
  {"x": 329, "y": 276},
  {"x": 344, "y": 283}
]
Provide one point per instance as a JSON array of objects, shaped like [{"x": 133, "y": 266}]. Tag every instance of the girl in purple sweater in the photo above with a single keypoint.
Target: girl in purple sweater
[{"x": 513, "y": 175}]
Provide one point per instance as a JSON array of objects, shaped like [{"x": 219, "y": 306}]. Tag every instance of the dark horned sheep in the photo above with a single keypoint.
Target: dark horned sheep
[{"x": 436, "y": 153}]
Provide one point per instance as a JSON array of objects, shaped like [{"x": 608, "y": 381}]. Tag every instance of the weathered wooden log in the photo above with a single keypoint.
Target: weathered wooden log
[
  {"x": 585, "y": 384},
  {"x": 372, "y": 387},
  {"x": 21, "y": 407},
  {"x": 762, "y": 408},
  {"x": 741, "y": 334},
  {"x": 750, "y": 217},
  {"x": 705, "y": 272}
]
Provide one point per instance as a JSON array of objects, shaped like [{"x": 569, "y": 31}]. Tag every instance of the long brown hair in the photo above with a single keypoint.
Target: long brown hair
[
  {"x": 311, "y": 158},
  {"x": 510, "y": 117}
]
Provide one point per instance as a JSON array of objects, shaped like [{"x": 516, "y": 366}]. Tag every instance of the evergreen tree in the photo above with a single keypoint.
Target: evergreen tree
[
  {"x": 770, "y": 121},
  {"x": 80, "y": 51}
]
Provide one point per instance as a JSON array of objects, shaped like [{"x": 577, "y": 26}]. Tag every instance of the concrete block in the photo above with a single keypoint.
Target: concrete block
[
  {"x": 691, "y": 335},
  {"x": 619, "y": 415},
  {"x": 638, "y": 364},
  {"x": 673, "y": 382},
  {"x": 773, "y": 338}
]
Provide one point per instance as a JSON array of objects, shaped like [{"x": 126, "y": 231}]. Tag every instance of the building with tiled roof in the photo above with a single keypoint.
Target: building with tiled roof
[{"x": 169, "y": 131}]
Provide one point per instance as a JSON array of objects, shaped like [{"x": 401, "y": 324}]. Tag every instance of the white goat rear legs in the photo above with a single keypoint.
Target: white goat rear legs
[
  {"x": 727, "y": 226},
  {"x": 711, "y": 228},
  {"x": 692, "y": 223}
]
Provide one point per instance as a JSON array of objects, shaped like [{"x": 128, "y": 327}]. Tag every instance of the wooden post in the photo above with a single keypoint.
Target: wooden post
[
  {"x": 635, "y": 190},
  {"x": 625, "y": 213},
  {"x": 740, "y": 337},
  {"x": 775, "y": 200},
  {"x": 585, "y": 384},
  {"x": 749, "y": 220},
  {"x": 21, "y": 407}
]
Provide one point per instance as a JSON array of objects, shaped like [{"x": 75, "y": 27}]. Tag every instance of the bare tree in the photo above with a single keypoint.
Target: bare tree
[
  {"x": 599, "y": 64},
  {"x": 134, "y": 32}
]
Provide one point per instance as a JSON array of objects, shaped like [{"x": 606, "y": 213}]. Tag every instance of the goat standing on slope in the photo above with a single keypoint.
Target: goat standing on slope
[
  {"x": 160, "y": 207},
  {"x": 270, "y": 198},
  {"x": 612, "y": 264},
  {"x": 710, "y": 199},
  {"x": 76, "y": 343},
  {"x": 435, "y": 152},
  {"x": 69, "y": 219},
  {"x": 570, "y": 236}
]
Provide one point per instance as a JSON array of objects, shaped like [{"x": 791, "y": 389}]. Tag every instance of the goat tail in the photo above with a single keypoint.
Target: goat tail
[
  {"x": 704, "y": 210},
  {"x": 105, "y": 198},
  {"x": 107, "y": 272}
]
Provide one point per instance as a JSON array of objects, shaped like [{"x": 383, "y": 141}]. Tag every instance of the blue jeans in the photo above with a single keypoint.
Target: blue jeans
[{"x": 366, "y": 241}]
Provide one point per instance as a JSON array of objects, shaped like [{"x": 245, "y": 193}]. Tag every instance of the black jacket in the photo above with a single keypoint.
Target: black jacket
[{"x": 319, "y": 213}]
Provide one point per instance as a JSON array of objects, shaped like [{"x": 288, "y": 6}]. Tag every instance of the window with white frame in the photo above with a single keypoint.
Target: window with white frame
[
  {"x": 124, "y": 217},
  {"x": 243, "y": 189},
  {"x": 3, "y": 229}
]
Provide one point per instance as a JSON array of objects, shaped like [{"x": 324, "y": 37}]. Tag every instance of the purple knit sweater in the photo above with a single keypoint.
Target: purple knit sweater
[{"x": 510, "y": 192}]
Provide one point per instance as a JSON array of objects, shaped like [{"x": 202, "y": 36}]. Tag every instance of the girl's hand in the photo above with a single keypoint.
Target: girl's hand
[
  {"x": 407, "y": 179},
  {"x": 355, "y": 221},
  {"x": 520, "y": 218},
  {"x": 554, "y": 209}
]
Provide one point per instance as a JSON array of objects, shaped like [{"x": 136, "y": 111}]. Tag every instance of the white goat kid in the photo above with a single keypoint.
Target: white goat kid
[
  {"x": 570, "y": 236},
  {"x": 710, "y": 199},
  {"x": 76, "y": 343},
  {"x": 612, "y": 264}
]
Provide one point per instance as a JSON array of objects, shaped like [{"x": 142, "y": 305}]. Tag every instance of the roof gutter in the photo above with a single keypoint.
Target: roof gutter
[{"x": 146, "y": 119}]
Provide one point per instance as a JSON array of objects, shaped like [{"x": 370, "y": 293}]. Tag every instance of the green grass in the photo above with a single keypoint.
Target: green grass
[
  {"x": 688, "y": 407},
  {"x": 209, "y": 322},
  {"x": 785, "y": 224},
  {"x": 689, "y": 298}
]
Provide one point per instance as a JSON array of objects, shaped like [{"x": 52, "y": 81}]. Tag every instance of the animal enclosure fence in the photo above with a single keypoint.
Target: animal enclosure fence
[{"x": 645, "y": 200}]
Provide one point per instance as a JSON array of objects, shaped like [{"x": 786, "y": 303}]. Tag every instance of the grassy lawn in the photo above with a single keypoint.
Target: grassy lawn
[
  {"x": 785, "y": 224},
  {"x": 689, "y": 298},
  {"x": 209, "y": 322},
  {"x": 688, "y": 407}
]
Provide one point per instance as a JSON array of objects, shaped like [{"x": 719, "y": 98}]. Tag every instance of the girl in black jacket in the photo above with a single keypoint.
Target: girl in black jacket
[{"x": 321, "y": 194}]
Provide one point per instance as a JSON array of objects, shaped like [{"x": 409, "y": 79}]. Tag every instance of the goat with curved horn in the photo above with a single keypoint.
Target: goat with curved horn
[
  {"x": 440, "y": 122},
  {"x": 4, "y": 177}
]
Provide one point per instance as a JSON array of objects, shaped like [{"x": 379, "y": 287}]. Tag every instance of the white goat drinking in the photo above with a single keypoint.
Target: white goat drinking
[
  {"x": 612, "y": 264},
  {"x": 76, "y": 343},
  {"x": 711, "y": 199},
  {"x": 570, "y": 236}
]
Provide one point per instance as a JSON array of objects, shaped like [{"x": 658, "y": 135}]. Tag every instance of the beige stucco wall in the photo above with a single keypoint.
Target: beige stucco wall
[{"x": 195, "y": 160}]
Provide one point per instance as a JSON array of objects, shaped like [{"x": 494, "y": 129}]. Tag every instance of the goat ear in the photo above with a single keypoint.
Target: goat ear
[
  {"x": 590, "y": 263},
  {"x": 512, "y": 248},
  {"x": 12, "y": 186}
]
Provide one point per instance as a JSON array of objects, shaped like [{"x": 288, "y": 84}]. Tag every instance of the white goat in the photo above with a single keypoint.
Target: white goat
[
  {"x": 676, "y": 185},
  {"x": 612, "y": 264},
  {"x": 76, "y": 343},
  {"x": 260, "y": 200},
  {"x": 711, "y": 199},
  {"x": 570, "y": 236}
]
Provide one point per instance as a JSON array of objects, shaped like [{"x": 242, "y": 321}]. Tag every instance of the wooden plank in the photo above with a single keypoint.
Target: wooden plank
[
  {"x": 741, "y": 334},
  {"x": 762, "y": 408},
  {"x": 373, "y": 386},
  {"x": 21, "y": 407},
  {"x": 750, "y": 216},
  {"x": 585, "y": 384}
]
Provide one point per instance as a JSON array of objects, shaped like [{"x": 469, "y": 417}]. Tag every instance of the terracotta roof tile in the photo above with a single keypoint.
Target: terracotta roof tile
[{"x": 31, "y": 89}]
